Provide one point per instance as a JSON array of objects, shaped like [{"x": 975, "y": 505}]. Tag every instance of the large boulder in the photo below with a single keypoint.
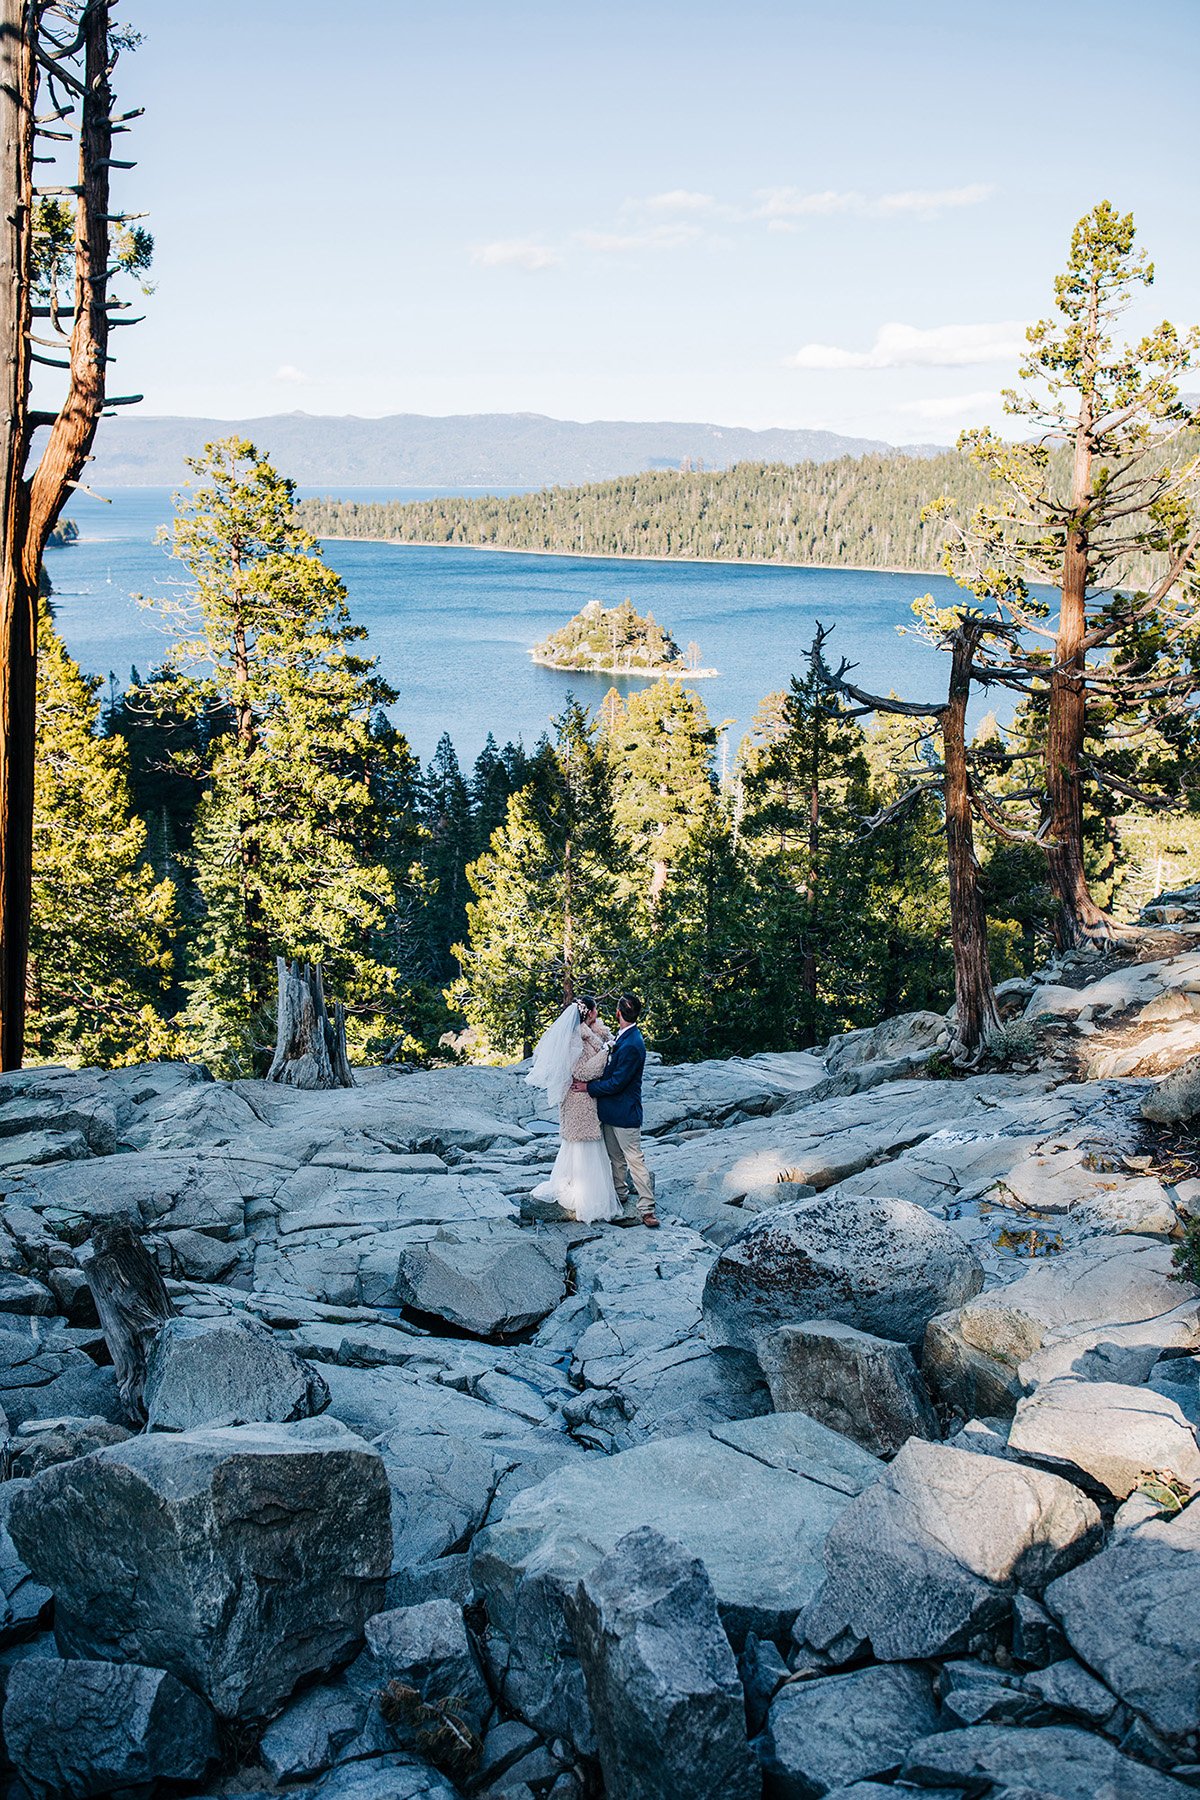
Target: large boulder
[
  {"x": 494, "y": 1284},
  {"x": 884, "y": 1266},
  {"x": 240, "y": 1559},
  {"x": 866, "y": 1387},
  {"x": 844, "y": 1728},
  {"x": 963, "y": 1378},
  {"x": 1102, "y": 1281},
  {"x": 926, "y": 1560},
  {"x": 79, "y": 1728},
  {"x": 1176, "y": 1100},
  {"x": 661, "y": 1678},
  {"x": 426, "y": 1648},
  {"x": 312, "y": 1732},
  {"x": 1115, "y": 1434},
  {"x": 40, "y": 1443},
  {"x": 23, "y": 1601},
  {"x": 1059, "y": 1311},
  {"x": 47, "y": 1378},
  {"x": 753, "y": 1500},
  {"x": 397, "y": 1776},
  {"x": 226, "y": 1372},
  {"x": 904, "y": 1035},
  {"x": 1133, "y": 1614},
  {"x": 1056, "y": 1762},
  {"x": 452, "y": 1461}
]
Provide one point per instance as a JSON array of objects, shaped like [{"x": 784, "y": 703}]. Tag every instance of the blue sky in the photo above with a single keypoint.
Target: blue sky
[{"x": 707, "y": 211}]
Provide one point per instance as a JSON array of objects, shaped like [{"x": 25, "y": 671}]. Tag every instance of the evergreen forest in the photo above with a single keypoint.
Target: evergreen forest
[
  {"x": 857, "y": 512},
  {"x": 252, "y": 796}
]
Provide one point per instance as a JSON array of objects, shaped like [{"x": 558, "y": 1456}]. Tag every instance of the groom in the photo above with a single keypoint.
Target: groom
[{"x": 618, "y": 1097}]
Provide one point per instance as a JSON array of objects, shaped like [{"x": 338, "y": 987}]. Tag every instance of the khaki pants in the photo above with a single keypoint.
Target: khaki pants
[{"x": 624, "y": 1146}]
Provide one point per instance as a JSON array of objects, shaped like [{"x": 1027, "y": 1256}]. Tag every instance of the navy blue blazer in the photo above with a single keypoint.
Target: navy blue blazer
[{"x": 618, "y": 1092}]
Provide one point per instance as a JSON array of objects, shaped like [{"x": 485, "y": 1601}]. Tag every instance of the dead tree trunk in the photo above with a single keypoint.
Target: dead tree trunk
[
  {"x": 18, "y": 601},
  {"x": 310, "y": 1045},
  {"x": 976, "y": 1018},
  {"x": 133, "y": 1305},
  {"x": 81, "y": 70}
]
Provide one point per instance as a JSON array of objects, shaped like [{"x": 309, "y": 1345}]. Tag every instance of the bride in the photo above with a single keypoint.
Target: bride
[{"x": 575, "y": 1049}]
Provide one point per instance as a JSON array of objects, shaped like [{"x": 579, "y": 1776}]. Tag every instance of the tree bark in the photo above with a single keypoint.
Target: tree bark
[
  {"x": 808, "y": 975},
  {"x": 133, "y": 1306},
  {"x": 18, "y": 602},
  {"x": 1079, "y": 920},
  {"x": 977, "y": 1019},
  {"x": 32, "y": 507},
  {"x": 310, "y": 1045}
]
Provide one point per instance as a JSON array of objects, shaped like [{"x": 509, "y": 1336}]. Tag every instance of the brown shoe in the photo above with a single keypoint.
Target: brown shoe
[{"x": 651, "y": 1221}]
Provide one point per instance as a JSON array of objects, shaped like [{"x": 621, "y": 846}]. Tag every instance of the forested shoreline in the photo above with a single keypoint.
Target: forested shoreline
[{"x": 858, "y": 512}]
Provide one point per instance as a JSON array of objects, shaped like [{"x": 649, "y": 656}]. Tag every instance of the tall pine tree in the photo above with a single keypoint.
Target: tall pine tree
[
  {"x": 290, "y": 835},
  {"x": 660, "y": 746},
  {"x": 100, "y": 942},
  {"x": 447, "y": 848},
  {"x": 805, "y": 791},
  {"x": 547, "y": 920}
]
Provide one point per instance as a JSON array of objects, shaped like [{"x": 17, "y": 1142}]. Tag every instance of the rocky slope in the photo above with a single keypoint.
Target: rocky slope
[{"x": 867, "y": 1473}]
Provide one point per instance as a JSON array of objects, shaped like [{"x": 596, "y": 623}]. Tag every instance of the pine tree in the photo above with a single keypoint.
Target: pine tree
[
  {"x": 447, "y": 848},
  {"x": 547, "y": 919},
  {"x": 1121, "y": 514},
  {"x": 100, "y": 946},
  {"x": 701, "y": 967},
  {"x": 497, "y": 776},
  {"x": 907, "y": 962},
  {"x": 806, "y": 790},
  {"x": 290, "y": 835},
  {"x": 660, "y": 746}
]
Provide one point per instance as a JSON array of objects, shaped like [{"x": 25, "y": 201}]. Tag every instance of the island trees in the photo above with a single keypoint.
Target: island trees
[
  {"x": 1110, "y": 521},
  {"x": 60, "y": 246}
]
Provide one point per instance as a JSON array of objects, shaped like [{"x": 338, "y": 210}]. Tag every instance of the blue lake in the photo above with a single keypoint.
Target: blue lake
[{"x": 452, "y": 628}]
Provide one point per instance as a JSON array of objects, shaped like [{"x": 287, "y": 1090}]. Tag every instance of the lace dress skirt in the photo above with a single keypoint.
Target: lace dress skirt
[{"x": 581, "y": 1179}]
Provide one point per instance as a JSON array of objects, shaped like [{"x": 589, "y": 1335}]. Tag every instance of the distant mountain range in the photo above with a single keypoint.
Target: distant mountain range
[{"x": 463, "y": 450}]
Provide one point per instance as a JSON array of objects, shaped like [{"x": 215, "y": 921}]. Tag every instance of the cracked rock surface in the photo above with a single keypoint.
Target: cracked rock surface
[{"x": 899, "y": 1408}]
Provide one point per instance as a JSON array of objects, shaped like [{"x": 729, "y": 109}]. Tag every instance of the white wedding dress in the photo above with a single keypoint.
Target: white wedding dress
[
  {"x": 581, "y": 1182},
  {"x": 581, "y": 1179}
]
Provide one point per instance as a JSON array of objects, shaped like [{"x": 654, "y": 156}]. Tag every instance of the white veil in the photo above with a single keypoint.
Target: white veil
[{"x": 556, "y": 1054}]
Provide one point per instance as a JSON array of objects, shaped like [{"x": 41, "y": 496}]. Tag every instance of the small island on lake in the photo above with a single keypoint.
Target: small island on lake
[{"x": 618, "y": 641}]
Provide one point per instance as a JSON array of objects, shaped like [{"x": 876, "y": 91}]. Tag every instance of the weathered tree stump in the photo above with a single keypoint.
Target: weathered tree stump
[
  {"x": 310, "y": 1045},
  {"x": 132, "y": 1303}
]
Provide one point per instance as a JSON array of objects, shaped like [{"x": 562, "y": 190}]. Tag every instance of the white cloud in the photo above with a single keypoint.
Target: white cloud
[
  {"x": 951, "y": 406},
  {"x": 515, "y": 253},
  {"x": 791, "y": 203},
  {"x": 292, "y": 375},
  {"x": 908, "y": 347},
  {"x": 680, "y": 200},
  {"x": 653, "y": 237},
  {"x": 794, "y": 203},
  {"x": 933, "y": 200}
]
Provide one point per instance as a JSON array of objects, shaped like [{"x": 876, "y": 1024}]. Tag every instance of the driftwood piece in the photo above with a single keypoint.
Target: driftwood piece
[
  {"x": 310, "y": 1044},
  {"x": 132, "y": 1302}
]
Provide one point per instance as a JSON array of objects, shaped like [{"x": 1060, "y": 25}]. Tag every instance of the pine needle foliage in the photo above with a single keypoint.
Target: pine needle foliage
[
  {"x": 296, "y": 838},
  {"x": 100, "y": 934}
]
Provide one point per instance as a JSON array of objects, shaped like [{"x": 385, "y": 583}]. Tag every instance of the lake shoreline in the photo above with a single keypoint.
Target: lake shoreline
[
  {"x": 671, "y": 671},
  {"x": 716, "y": 562}
]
